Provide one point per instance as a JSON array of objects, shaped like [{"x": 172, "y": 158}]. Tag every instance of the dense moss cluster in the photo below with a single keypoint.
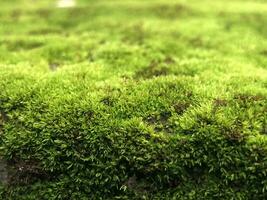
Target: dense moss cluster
[{"x": 134, "y": 99}]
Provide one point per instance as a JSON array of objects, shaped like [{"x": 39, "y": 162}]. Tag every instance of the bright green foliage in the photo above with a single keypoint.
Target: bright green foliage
[{"x": 134, "y": 99}]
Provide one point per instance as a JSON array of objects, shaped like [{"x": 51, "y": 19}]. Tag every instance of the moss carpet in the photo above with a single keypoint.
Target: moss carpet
[{"x": 134, "y": 99}]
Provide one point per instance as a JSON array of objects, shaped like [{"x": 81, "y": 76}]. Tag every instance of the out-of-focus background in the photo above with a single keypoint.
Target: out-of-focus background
[{"x": 50, "y": 34}]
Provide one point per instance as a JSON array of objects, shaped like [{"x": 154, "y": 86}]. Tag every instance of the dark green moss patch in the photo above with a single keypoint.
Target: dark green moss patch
[
  {"x": 264, "y": 126},
  {"x": 181, "y": 107},
  {"x": 46, "y": 31},
  {"x": 21, "y": 44},
  {"x": 135, "y": 34},
  {"x": 234, "y": 134},
  {"x": 16, "y": 14},
  {"x": 264, "y": 52},
  {"x": 171, "y": 11},
  {"x": 155, "y": 69},
  {"x": 3, "y": 117},
  {"x": 138, "y": 186},
  {"x": 108, "y": 101},
  {"x": 26, "y": 172},
  {"x": 246, "y": 98},
  {"x": 44, "y": 13}
]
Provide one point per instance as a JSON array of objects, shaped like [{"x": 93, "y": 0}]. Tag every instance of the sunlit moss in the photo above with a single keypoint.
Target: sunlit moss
[{"x": 134, "y": 99}]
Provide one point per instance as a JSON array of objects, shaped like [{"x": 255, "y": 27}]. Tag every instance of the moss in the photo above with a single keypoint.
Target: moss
[
  {"x": 133, "y": 100},
  {"x": 169, "y": 11},
  {"x": 25, "y": 173},
  {"x": 156, "y": 68},
  {"x": 19, "y": 45},
  {"x": 135, "y": 34}
]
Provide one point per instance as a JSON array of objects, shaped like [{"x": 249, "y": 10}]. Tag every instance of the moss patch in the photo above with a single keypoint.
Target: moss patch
[{"x": 133, "y": 100}]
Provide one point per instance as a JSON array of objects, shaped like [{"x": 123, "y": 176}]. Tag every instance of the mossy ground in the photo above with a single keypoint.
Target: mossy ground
[{"x": 133, "y": 99}]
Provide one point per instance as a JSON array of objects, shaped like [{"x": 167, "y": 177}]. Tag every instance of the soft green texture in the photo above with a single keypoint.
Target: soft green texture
[{"x": 134, "y": 99}]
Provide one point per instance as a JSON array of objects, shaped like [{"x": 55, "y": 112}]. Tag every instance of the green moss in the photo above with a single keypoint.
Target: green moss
[{"x": 133, "y": 100}]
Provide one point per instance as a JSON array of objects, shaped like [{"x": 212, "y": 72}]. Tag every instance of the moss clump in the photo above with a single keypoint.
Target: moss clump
[{"x": 133, "y": 100}]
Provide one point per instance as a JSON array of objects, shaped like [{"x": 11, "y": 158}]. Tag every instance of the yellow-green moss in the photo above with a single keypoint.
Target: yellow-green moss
[{"x": 134, "y": 99}]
